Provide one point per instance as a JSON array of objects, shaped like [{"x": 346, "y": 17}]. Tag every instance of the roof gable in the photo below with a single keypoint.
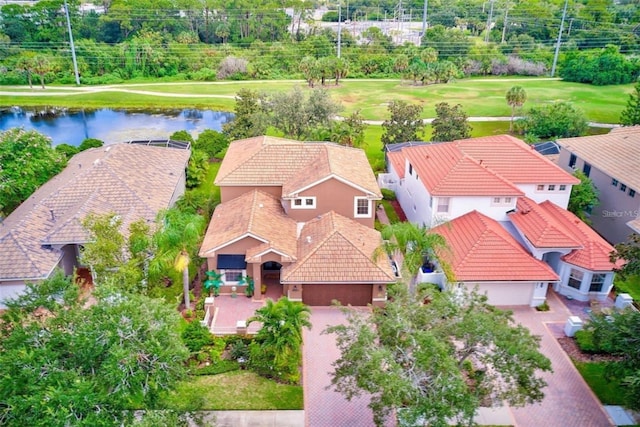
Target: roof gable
[
  {"x": 480, "y": 249},
  {"x": 539, "y": 228},
  {"x": 294, "y": 165},
  {"x": 335, "y": 249}
]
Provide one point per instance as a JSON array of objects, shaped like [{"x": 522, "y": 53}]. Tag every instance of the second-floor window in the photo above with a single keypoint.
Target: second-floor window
[
  {"x": 586, "y": 169},
  {"x": 443, "y": 204},
  {"x": 362, "y": 207},
  {"x": 303, "y": 203},
  {"x": 572, "y": 160}
]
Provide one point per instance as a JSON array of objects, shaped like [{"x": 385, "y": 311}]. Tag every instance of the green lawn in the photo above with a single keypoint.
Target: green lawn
[
  {"x": 236, "y": 390},
  {"x": 630, "y": 285},
  {"x": 478, "y": 97},
  {"x": 609, "y": 393}
]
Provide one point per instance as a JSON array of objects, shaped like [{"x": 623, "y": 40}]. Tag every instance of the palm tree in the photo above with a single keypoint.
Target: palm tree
[
  {"x": 516, "y": 97},
  {"x": 413, "y": 242},
  {"x": 176, "y": 244}
]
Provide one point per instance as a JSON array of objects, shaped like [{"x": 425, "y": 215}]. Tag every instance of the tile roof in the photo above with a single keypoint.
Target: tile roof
[
  {"x": 397, "y": 159},
  {"x": 336, "y": 249},
  {"x": 269, "y": 161},
  {"x": 539, "y": 228},
  {"x": 515, "y": 160},
  {"x": 480, "y": 249},
  {"x": 594, "y": 254},
  {"x": 255, "y": 214},
  {"x": 133, "y": 181},
  {"x": 617, "y": 153},
  {"x": 445, "y": 170}
]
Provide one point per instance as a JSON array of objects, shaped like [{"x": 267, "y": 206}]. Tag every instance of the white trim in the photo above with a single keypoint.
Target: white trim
[
  {"x": 438, "y": 211},
  {"x": 328, "y": 177},
  {"x": 303, "y": 202},
  {"x": 275, "y": 251},
  {"x": 369, "y": 213},
  {"x": 208, "y": 251},
  {"x": 224, "y": 274}
]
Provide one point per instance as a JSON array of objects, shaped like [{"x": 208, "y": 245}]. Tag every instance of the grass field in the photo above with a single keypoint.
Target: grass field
[
  {"x": 236, "y": 390},
  {"x": 609, "y": 393},
  {"x": 478, "y": 97}
]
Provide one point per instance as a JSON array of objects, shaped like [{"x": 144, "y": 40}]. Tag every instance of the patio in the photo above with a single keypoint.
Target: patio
[{"x": 228, "y": 310}]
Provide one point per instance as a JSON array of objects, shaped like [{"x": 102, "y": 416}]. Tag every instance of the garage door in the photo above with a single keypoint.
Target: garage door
[
  {"x": 506, "y": 293},
  {"x": 359, "y": 295}
]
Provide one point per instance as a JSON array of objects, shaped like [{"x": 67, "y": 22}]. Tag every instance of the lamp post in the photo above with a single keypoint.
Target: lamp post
[
  {"x": 73, "y": 48},
  {"x": 555, "y": 56}
]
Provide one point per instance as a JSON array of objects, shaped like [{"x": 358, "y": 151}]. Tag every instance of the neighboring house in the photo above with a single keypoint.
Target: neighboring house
[
  {"x": 612, "y": 162},
  {"x": 438, "y": 182},
  {"x": 298, "y": 215},
  {"x": 45, "y": 232},
  {"x": 502, "y": 208}
]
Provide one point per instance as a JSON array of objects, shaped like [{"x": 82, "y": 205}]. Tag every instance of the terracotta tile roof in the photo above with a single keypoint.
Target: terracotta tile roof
[
  {"x": 539, "y": 228},
  {"x": 397, "y": 159},
  {"x": 336, "y": 249},
  {"x": 617, "y": 153},
  {"x": 255, "y": 214},
  {"x": 480, "y": 249},
  {"x": 133, "y": 181},
  {"x": 445, "y": 170},
  {"x": 594, "y": 254},
  {"x": 269, "y": 161},
  {"x": 514, "y": 160}
]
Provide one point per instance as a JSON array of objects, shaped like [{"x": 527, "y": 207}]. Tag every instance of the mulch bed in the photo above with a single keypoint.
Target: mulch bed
[
  {"x": 398, "y": 209},
  {"x": 571, "y": 348}
]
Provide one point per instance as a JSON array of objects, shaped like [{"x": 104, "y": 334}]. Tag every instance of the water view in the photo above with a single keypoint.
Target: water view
[{"x": 110, "y": 126}]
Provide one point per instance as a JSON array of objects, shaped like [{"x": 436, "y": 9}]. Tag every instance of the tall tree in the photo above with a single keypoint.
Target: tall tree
[
  {"x": 516, "y": 97},
  {"x": 66, "y": 362},
  {"x": 276, "y": 348},
  {"x": 435, "y": 363},
  {"x": 251, "y": 115},
  {"x": 27, "y": 161},
  {"x": 584, "y": 196},
  {"x": 557, "y": 120},
  {"x": 631, "y": 114},
  {"x": 450, "y": 123},
  {"x": 404, "y": 123},
  {"x": 176, "y": 243}
]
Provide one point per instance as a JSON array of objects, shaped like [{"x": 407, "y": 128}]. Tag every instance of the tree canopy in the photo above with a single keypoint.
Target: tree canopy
[
  {"x": 584, "y": 196},
  {"x": 437, "y": 361},
  {"x": 631, "y": 114},
  {"x": 516, "y": 97},
  {"x": 630, "y": 252},
  {"x": 66, "y": 362},
  {"x": 27, "y": 161},
  {"x": 404, "y": 123},
  {"x": 450, "y": 123},
  {"x": 557, "y": 120}
]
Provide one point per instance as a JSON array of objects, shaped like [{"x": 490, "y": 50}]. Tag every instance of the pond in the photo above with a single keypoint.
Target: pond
[{"x": 73, "y": 126}]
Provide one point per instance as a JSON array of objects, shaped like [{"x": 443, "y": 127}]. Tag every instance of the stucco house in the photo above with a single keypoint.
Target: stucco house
[
  {"x": 299, "y": 216},
  {"x": 45, "y": 232},
  {"x": 611, "y": 162},
  {"x": 502, "y": 208}
]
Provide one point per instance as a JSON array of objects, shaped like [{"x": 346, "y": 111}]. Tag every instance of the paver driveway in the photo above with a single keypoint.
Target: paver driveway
[
  {"x": 322, "y": 407},
  {"x": 568, "y": 402}
]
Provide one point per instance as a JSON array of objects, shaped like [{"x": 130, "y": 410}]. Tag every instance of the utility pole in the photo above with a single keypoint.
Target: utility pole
[
  {"x": 555, "y": 57},
  {"x": 504, "y": 25},
  {"x": 73, "y": 48},
  {"x": 424, "y": 17},
  {"x": 339, "y": 28},
  {"x": 486, "y": 37}
]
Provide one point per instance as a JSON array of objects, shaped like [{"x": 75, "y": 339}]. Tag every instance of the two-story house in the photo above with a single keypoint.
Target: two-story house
[
  {"x": 479, "y": 193},
  {"x": 612, "y": 162},
  {"x": 300, "y": 216},
  {"x": 45, "y": 232}
]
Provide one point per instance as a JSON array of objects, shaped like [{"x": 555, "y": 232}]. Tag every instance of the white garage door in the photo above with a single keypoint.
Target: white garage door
[{"x": 505, "y": 293}]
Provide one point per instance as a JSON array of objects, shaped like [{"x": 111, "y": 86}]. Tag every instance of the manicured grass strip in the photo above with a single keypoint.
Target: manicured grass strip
[
  {"x": 237, "y": 390},
  {"x": 609, "y": 393}
]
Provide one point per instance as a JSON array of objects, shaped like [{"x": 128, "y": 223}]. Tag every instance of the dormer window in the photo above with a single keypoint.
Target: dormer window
[{"x": 303, "y": 203}]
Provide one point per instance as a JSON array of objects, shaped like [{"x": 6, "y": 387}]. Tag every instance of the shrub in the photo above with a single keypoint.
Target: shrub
[
  {"x": 90, "y": 143},
  {"x": 211, "y": 142},
  {"x": 218, "y": 367},
  {"x": 196, "y": 336},
  {"x": 232, "y": 66},
  {"x": 543, "y": 307},
  {"x": 388, "y": 194},
  {"x": 584, "y": 340}
]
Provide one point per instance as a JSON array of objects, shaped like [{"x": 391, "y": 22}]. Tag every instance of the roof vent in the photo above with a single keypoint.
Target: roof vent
[
  {"x": 107, "y": 148},
  {"x": 96, "y": 162},
  {"x": 308, "y": 239},
  {"x": 53, "y": 215},
  {"x": 261, "y": 205}
]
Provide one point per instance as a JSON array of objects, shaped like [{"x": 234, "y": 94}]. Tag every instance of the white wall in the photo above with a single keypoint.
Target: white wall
[
  {"x": 10, "y": 290},
  {"x": 560, "y": 198},
  {"x": 506, "y": 293},
  {"x": 583, "y": 293},
  {"x": 461, "y": 205},
  {"x": 414, "y": 199}
]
